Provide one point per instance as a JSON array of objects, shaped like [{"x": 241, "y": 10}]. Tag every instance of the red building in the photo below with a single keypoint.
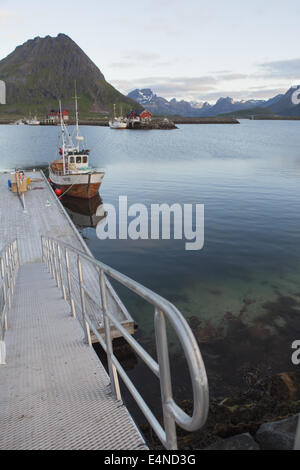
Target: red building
[
  {"x": 145, "y": 115},
  {"x": 54, "y": 116},
  {"x": 139, "y": 115}
]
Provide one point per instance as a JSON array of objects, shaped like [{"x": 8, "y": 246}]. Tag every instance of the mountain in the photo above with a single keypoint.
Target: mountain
[
  {"x": 280, "y": 106},
  {"x": 284, "y": 106},
  {"x": 161, "y": 106},
  {"x": 227, "y": 105},
  {"x": 43, "y": 70}
]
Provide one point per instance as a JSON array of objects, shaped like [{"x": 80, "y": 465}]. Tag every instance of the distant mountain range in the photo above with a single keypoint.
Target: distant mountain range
[
  {"x": 280, "y": 105},
  {"x": 43, "y": 70}
]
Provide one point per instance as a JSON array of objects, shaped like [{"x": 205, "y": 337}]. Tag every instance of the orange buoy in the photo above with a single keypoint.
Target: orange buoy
[{"x": 58, "y": 192}]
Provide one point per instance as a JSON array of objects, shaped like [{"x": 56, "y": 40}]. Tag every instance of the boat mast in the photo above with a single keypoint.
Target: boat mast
[
  {"x": 77, "y": 118},
  {"x": 63, "y": 137}
]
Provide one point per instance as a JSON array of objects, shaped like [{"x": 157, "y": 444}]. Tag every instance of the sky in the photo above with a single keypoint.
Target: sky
[{"x": 196, "y": 50}]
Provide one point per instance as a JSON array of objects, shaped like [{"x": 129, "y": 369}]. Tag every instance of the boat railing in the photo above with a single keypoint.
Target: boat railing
[
  {"x": 9, "y": 266},
  {"x": 86, "y": 170},
  {"x": 61, "y": 173},
  {"x": 57, "y": 256}
]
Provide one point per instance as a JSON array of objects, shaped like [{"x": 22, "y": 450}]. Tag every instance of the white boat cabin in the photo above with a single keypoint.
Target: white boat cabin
[{"x": 77, "y": 162}]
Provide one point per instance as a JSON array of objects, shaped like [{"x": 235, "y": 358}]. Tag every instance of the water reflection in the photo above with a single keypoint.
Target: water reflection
[{"x": 85, "y": 212}]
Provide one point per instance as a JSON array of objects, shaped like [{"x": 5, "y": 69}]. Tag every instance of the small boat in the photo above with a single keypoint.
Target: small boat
[
  {"x": 71, "y": 173},
  {"x": 118, "y": 122},
  {"x": 33, "y": 122}
]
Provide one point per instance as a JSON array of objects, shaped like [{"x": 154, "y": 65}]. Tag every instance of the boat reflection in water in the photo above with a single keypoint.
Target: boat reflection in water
[{"x": 84, "y": 212}]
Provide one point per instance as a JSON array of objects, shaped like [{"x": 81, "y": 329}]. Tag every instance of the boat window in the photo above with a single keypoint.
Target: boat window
[
  {"x": 84, "y": 160},
  {"x": 72, "y": 160},
  {"x": 78, "y": 160}
]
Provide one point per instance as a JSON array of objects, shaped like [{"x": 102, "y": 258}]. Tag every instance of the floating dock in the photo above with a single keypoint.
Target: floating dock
[
  {"x": 54, "y": 391},
  {"x": 45, "y": 215},
  {"x": 55, "y": 300}
]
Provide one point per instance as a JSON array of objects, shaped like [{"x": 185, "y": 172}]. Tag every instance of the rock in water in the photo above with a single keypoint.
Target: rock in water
[
  {"x": 279, "y": 435},
  {"x": 239, "y": 442}
]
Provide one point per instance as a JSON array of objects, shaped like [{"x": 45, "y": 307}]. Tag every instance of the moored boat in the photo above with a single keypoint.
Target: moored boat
[
  {"x": 118, "y": 122},
  {"x": 33, "y": 122},
  {"x": 71, "y": 172}
]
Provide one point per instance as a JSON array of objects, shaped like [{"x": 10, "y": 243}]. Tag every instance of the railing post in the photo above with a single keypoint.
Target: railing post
[
  {"x": 55, "y": 265},
  {"x": 51, "y": 259},
  {"x": 61, "y": 273},
  {"x": 51, "y": 262},
  {"x": 83, "y": 306},
  {"x": 8, "y": 279},
  {"x": 43, "y": 249},
  {"x": 3, "y": 280},
  {"x": 46, "y": 253},
  {"x": 165, "y": 378},
  {"x": 297, "y": 438},
  {"x": 15, "y": 248},
  {"x": 7, "y": 269},
  {"x": 67, "y": 260},
  {"x": 4, "y": 287},
  {"x": 18, "y": 254},
  {"x": 113, "y": 374},
  {"x": 12, "y": 264},
  {"x": 2, "y": 352}
]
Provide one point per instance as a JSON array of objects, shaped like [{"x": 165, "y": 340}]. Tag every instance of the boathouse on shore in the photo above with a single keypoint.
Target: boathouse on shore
[
  {"x": 139, "y": 116},
  {"x": 54, "y": 116}
]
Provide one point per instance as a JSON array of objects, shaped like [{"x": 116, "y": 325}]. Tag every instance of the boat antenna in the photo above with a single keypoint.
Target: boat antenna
[{"x": 78, "y": 137}]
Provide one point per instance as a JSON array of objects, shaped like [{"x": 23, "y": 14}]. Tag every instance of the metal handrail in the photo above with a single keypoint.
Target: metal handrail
[
  {"x": 9, "y": 266},
  {"x": 172, "y": 413}
]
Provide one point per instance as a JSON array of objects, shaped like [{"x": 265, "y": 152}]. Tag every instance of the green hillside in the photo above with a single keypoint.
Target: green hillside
[{"x": 44, "y": 70}]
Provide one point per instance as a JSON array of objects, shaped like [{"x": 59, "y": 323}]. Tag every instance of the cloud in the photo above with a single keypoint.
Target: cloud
[
  {"x": 184, "y": 87},
  {"x": 142, "y": 56},
  {"x": 136, "y": 58},
  {"x": 175, "y": 86},
  {"x": 289, "y": 69},
  {"x": 205, "y": 88},
  {"x": 245, "y": 94},
  {"x": 9, "y": 16}
]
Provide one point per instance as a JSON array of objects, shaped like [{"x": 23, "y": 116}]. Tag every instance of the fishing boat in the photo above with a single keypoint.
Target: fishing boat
[
  {"x": 33, "y": 122},
  {"x": 118, "y": 122},
  {"x": 71, "y": 173}
]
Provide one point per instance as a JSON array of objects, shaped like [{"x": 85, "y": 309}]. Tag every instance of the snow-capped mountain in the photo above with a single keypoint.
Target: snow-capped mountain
[
  {"x": 158, "y": 105},
  {"x": 280, "y": 104},
  {"x": 143, "y": 97}
]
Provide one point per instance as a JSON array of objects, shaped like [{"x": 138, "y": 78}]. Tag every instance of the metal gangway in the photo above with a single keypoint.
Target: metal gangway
[{"x": 64, "y": 264}]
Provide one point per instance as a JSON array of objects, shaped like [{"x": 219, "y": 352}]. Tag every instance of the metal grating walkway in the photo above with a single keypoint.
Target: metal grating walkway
[{"x": 54, "y": 391}]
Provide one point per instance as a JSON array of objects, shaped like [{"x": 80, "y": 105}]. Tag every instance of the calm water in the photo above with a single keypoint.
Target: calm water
[{"x": 241, "y": 293}]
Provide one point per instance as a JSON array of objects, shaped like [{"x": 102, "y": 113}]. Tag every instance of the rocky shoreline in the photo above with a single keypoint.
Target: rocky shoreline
[
  {"x": 155, "y": 124},
  {"x": 264, "y": 417},
  {"x": 207, "y": 120}
]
